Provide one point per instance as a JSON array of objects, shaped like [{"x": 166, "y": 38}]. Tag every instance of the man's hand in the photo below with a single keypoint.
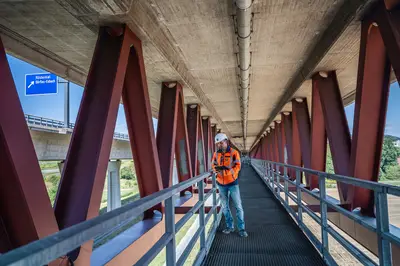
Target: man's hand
[{"x": 220, "y": 168}]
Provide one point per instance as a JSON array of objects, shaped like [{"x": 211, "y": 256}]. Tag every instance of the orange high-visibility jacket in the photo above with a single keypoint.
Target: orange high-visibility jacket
[{"x": 230, "y": 159}]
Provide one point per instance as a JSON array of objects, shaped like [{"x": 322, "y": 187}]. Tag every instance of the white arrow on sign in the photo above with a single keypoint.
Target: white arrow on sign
[{"x": 32, "y": 83}]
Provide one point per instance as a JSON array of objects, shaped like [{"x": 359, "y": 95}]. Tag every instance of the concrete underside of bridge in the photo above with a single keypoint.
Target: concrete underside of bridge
[{"x": 195, "y": 43}]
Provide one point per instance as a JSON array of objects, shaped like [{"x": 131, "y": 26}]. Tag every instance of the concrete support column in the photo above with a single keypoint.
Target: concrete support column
[
  {"x": 61, "y": 166},
  {"x": 113, "y": 185}
]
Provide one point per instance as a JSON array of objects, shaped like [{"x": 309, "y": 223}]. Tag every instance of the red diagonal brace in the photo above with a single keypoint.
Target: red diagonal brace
[
  {"x": 25, "y": 209},
  {"x": 172, "y": 134},
  {"x": 389, "y": 26},
  {"x": 213, "y": 133},
  {"x": 206, "y": 124},
  {"x": 303, "y": 123},
  {"x": 287, "y": 123},
  {"x": 336, "y": 126},
  {"x": 369, "y": 114},
  {"x": 280, "y": 143},
  {"x": 195, "y": 139},
  {"x": 118, "y": 52},
  {"x": 296, "y": 149},
  {"x": 265, "y": 148},
  {"x": 318, "y": 137}
]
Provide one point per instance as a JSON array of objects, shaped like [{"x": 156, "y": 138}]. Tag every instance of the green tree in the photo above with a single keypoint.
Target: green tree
[
  {"x": 127, "y": 173},
  {"x": 390, "y": 153},
  {"x": 329, "y": 162},
  {"x": 392, "y": 172}
]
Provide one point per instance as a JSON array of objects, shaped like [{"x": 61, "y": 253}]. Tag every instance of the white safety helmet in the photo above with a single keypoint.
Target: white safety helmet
[{"x": 220, "y": 137}]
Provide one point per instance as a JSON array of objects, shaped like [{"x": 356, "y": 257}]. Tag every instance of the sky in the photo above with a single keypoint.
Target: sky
[
  {"x": 52, "y": 106},
  {"x": 392, "y": 126}
]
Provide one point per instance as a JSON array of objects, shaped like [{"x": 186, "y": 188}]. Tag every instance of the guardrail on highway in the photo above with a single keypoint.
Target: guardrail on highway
[{"x": 56, "y": 124}]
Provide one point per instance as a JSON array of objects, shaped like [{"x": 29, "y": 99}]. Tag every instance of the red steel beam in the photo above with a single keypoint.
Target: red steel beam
[
  {"x": 265, "y": 148},
  {"x": 182, "y": 150},
  {"x": 336, "y": 127},
  {"x": 287, "y": 123},
  {"x": 388, "y": 19},
  {"x": 281, "y": 140},
  {"x": 271, "y": 145},
  {"x": 192, "y": 118},
  {"x": 213, "y": 133},
  {"x": 276, "y": 142},
  {"x": 261, "y": 149},
  {"x": 26, "y": 213},
  {"x": 172, "y": 135},
  {"x": 296, "y": 149},
  {"x": 318, "y": 136},
  {"x": 303, "y": 123},
  {"x": 195, "y": 139},
  {"x": 369, "y": 114},
  {"x": 79, "y": 198},
  {"x": 118, "y": 51},
  {"x": 206, "y": 124},
  {"x": 136, "y": 100}
]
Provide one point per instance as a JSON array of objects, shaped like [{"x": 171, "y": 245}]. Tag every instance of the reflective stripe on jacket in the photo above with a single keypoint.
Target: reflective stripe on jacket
[{"x": 230, "y": 159}]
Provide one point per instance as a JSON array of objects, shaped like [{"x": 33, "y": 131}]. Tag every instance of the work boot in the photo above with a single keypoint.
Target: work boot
[
  {"x": 243, "y": 233},
  {"x": 227, "y": 231}
]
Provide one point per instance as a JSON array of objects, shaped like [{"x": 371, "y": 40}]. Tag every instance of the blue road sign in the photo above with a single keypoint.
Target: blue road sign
[{"x": 40, "y": 84}]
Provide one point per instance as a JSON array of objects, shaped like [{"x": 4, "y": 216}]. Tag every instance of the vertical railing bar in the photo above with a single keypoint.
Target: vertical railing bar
[
  {"x": 299, "y": 204},
  {"x": 170, "y": 228},
  {"x": 278, "y": 182},
  {"x": 201, "y": 215},
  {"x": 214, "y": 186},
  {"x": 382, "y": 226},
  {"x": 286, "y": 185},
  {"x": 324, "y": 220}
]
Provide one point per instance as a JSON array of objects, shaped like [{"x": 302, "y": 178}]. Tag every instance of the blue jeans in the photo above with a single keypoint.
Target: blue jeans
[{"x": 225, "y": 192}]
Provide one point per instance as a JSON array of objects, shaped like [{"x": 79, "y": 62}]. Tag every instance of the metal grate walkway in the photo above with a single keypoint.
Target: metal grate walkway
[{"x": 274, "y": 239}]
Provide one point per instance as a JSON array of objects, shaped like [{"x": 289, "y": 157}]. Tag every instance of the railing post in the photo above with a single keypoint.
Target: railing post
[
  {"x": 170, "y": 228},
  {"x": 324, "y": 220},
  {"x": 214, "y": 185},
  {"x": 201, "y": 215},
  {"x": 278, "y": 182},
  {"x": 286, "y": 185},
  {"x": 299, "y": 204},
  {"x": 382, "y": 226}
]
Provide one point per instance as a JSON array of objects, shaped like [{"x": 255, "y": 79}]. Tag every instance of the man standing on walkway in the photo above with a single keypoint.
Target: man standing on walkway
[{"x": 226, "y": 164}]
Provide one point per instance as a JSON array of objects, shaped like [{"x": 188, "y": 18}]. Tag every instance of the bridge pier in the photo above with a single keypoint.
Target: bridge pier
[{"x": 113, "y": 185}]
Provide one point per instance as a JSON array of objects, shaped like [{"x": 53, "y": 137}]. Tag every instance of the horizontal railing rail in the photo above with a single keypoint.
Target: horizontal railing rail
[
  {"x": 45, "y": 250},
  {"x": 271, "y": 175},
  {"x": 57, "y": 124}
]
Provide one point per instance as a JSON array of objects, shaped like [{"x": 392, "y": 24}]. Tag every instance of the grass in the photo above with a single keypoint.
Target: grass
[
  {"x": 391, "y": 182},
  {"x": 48, "y": 165},
  {"x": 161, "y": 257},
  {"x": 125, "y": 199}
]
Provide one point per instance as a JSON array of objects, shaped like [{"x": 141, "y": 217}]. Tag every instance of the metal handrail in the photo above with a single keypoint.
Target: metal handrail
[
  {"x": 45, "y": 250},
  {"x": 270, "y": 174},
  {"x": 57, "y": 124}
]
